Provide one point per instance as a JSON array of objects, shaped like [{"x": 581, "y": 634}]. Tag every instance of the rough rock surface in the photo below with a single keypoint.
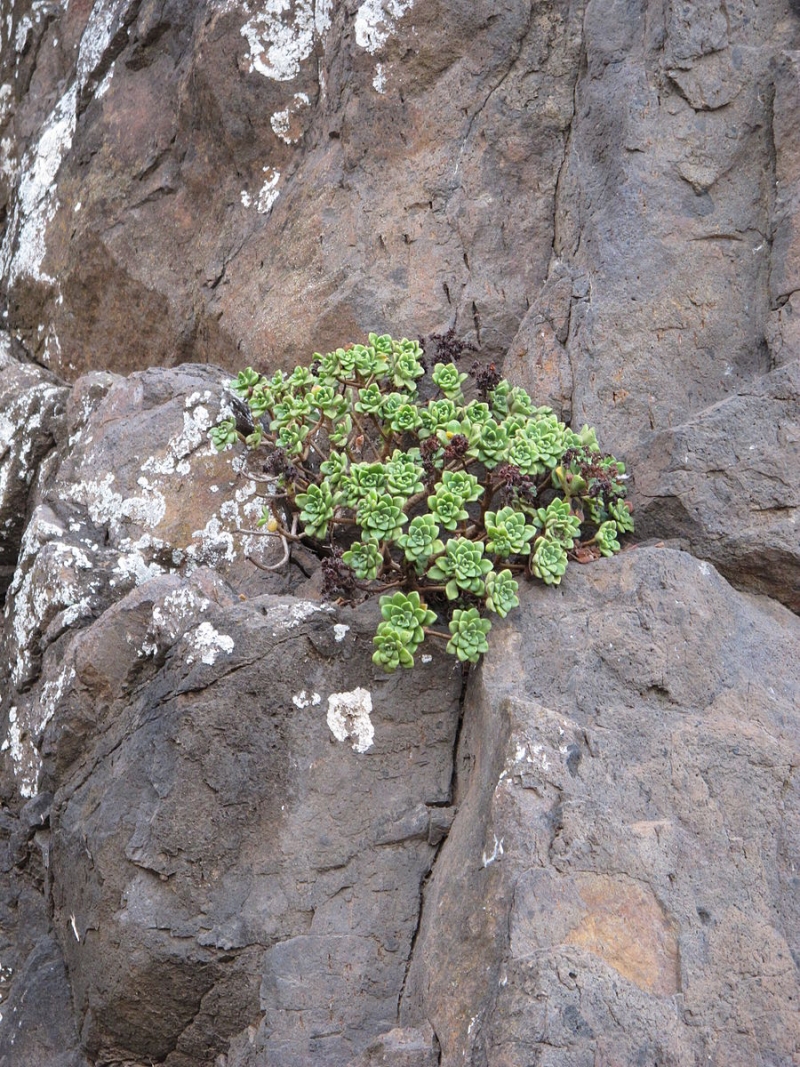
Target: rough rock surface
[
  {"x": 235, "y": 853},
  {"x": 31, "y": 400},
  {"x": 230, "y": 806},
  {"x": 620, "y": 884},
  {"x": 726, "y": 483},
  {"x": 603, "y": 194}
]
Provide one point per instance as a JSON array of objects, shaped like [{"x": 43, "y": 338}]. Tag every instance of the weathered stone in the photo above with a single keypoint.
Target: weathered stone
[
  {"x": 304, "y": 174},
  {"x": 663, "y": 206},
  {"x": 609, "y": 185},
  {"x": 31, "y": 401},
  {"x": 135, "y": 490},
  {"x": 219, "y": 855},
  {"x": 620, "y": 882},
  {"x": 37, "y": 1024},
  {"x": 402, "y": 1048},
  {"x": 726, "y": 483}
]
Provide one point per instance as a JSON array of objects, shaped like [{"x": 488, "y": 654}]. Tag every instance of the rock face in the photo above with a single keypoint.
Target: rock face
[
  {"x": 624, "y": 859},
  {"x": 235, "y": 857},
  {"x": 225, "y": 838},
  {"x": 726, "y": 483},
  {"x": 230, "y": 805}
]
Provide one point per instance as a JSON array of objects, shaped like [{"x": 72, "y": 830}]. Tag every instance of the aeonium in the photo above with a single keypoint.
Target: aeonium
[{"x": 436, "y": 490}]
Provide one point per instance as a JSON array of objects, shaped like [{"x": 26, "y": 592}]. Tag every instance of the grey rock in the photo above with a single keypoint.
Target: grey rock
[
  {"x": 408, "y": 1047},
  {"x": 726, "y": 483},
  {"x": 664, "y": 204},
  {"x": 220, "y": 858},
  {"x": 604, "y": 193},
  {"x": 306, "y": 174},
  {"x": 134, "y": 490},
  {"x": 31, "y": 403},
  {"x": 37, "y": 1023},
  {"x": 620, "y": 882}
]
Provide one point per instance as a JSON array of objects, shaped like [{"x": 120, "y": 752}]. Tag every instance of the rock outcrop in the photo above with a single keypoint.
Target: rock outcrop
[
  {"x": 226, "y": 839},
  {"x": 620, "y": 884}
]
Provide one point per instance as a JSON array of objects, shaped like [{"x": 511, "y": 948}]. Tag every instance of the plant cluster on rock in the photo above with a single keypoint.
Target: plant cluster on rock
[{"x": 443, "y": 487}]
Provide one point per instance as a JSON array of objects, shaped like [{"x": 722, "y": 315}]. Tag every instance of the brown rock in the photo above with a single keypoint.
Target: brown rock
[
  {"x": 31, "y": 403},
  {"x": 619, "y": 881},
  {"x": 724, "y": 483}
]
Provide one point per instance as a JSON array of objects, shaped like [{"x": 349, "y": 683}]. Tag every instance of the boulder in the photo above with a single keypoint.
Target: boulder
[
  {"x": 620, "y": 883},
  {"x": 241, "y": 825}
]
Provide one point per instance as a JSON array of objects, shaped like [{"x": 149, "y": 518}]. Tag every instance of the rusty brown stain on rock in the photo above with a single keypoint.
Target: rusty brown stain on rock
[{"x": 626, "y": 927}]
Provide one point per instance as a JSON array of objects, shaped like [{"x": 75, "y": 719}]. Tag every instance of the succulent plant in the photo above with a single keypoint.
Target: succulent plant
[
  {"x": 501, "y": 592},
  {"x": 370, "y": 400},
  {"x": 447, "y": 508},
  {"x": 469, "y": 632},
  {"x": 409, "y": 614},
  {"x": 559, "y": 521},
  {"x": 463, "y": 566},
  {"x": 413, "y": 485},
  {"x": 620, "y": 512},
  {"x": 606, "y": 539},
  {"x": 223, "y": 435},
  {"x": 404, "y": 472},
  {"x": 381, "y": 517},
  {"x": 316, "y": 510},
  {"x": 507, "y": 532},
  {"x": 405, "y": 419},
  {"x": 437, "y": 415},
  {"x": 391, "y": 648},
  {"x": 364, "y": 559},
  {"x": 548, "y": 560},
  {"x": 421, "y": 541},
  {"x": 449, "y": 379},
  {"x": 462, "y": 484},
  {"x": 245, "y": 382}
]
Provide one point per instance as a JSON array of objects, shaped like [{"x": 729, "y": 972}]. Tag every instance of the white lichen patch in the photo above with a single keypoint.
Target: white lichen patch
[
  {"x": 23, "y": 248},
  {"x": 109, "y": 508},
  {"x": 6, "y": 103},
  {"x": 340, "y": 631},
  {"x": 487, "y": 859},
  {"x": 105, "y": 84},
  {"x": 49, "y": 697},
  {"x": 349, "y": 717},
  {"x": 288, "y": 616},
  {"x": 133, "y": 567},
  {"x": 283, "y": 34},
  {"x": 285, "y": 124},
  {"x": 218, "y": 541},
  {"x": 47, "y": 582},
  {"x": 20, "y": 422},
  {"x": 376, "y": 21},
  {"x": 101, "y": 26},
  {"x": 379, "y": 81},
  {"x": 208, "y": 643},
  {"x": 269, "y": 191},
  {"x": 302, "y": 700},
  {"x": 212, "y": 545},
  {"x": 194, "y": 435},
  {"x": 23, "y": 32},
  {"x": 25, "y": 759},
  {"x": 170, "y": 617}
]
